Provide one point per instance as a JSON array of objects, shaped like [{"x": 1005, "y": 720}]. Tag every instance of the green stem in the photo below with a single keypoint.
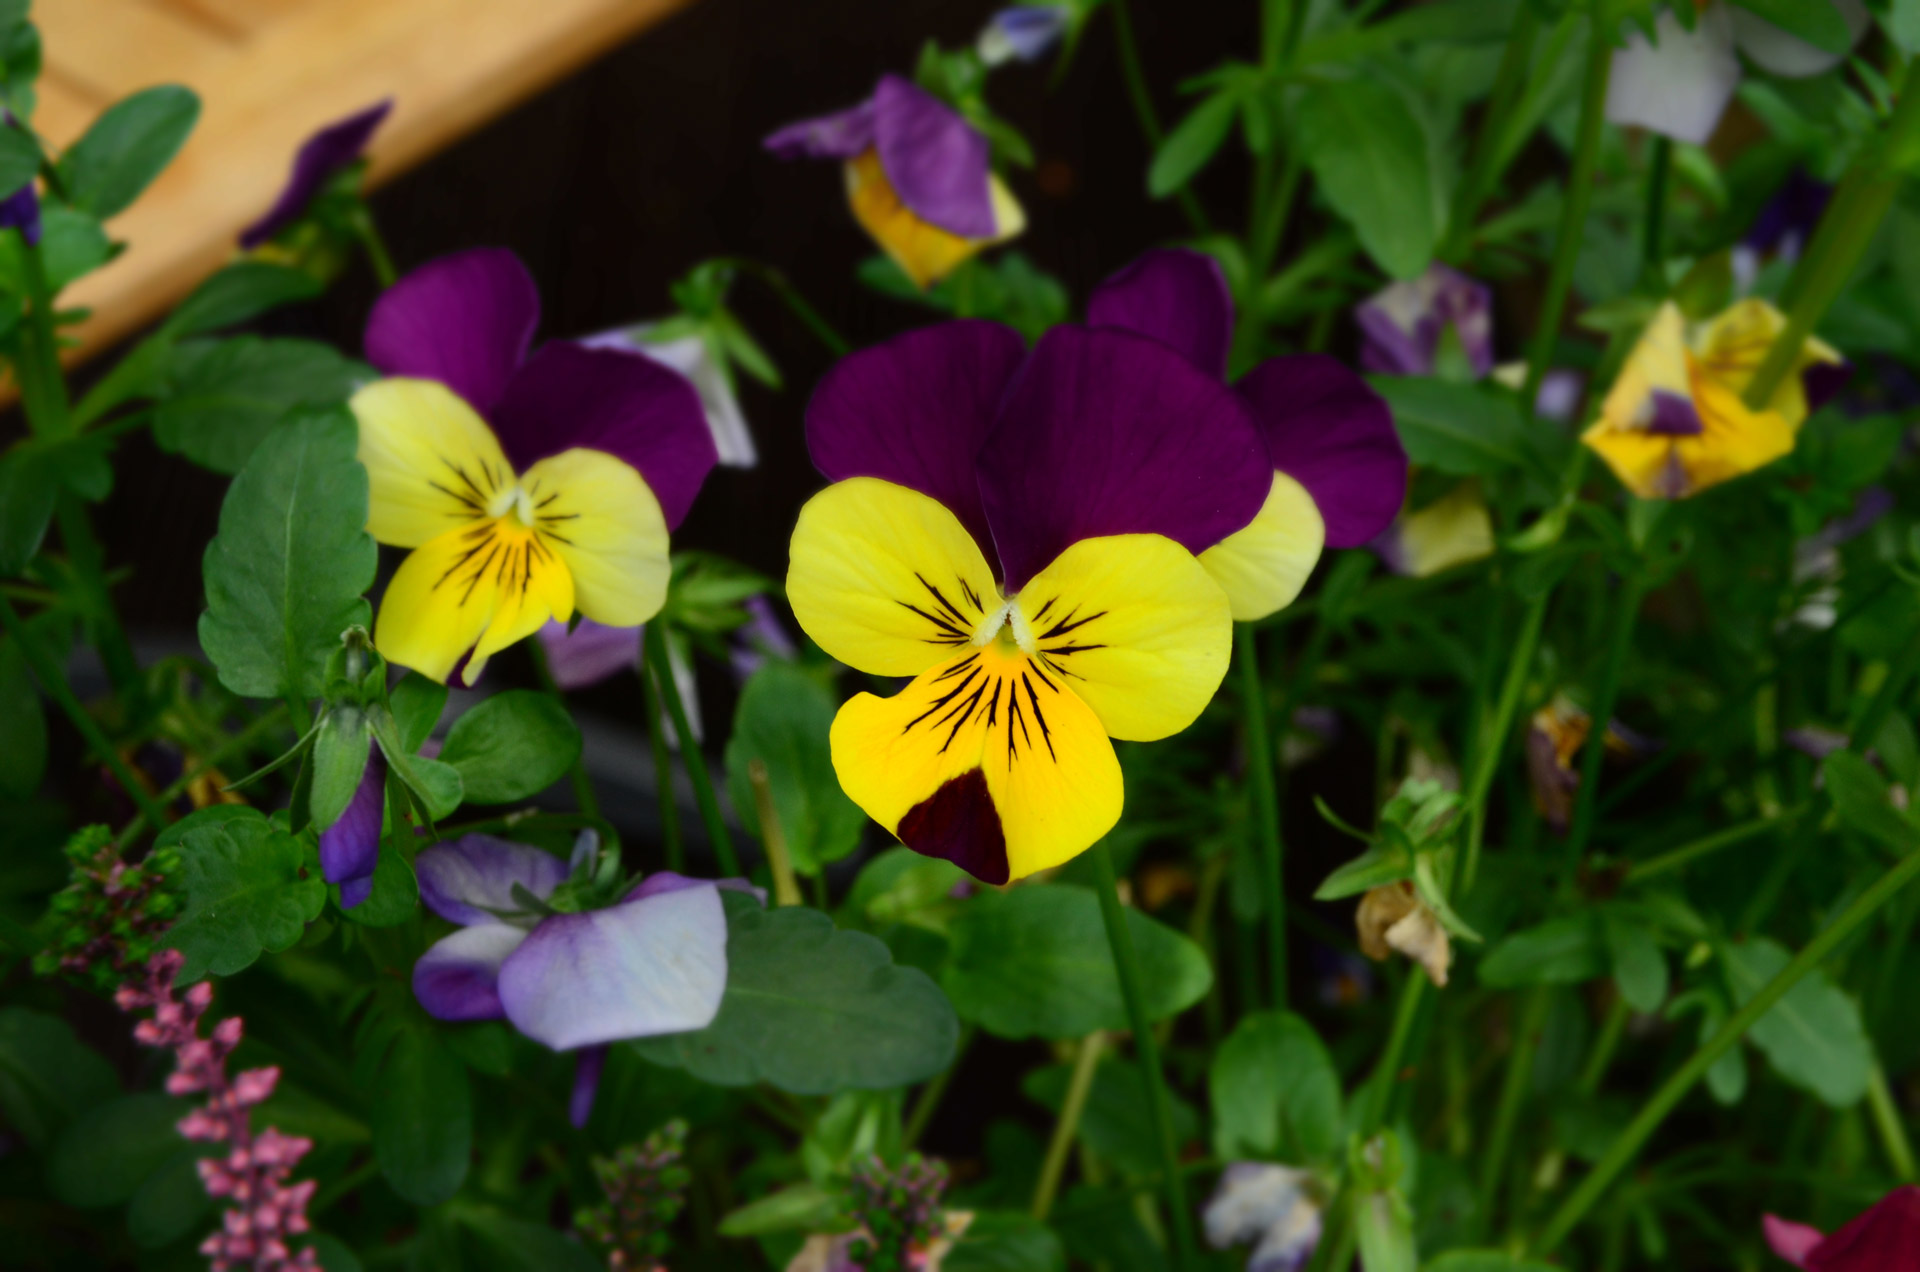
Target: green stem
[
  {"x": 582, "y": 784},
  {"x": 103, "y": 621},
  {"x": 1086, "y": 1062},
  {"x": 669, "y": 804},
  {"x": 1142, "y": 99},
  {"x": 1641, "y": 871},
  {"x": 1626, "y": 1146},
  {"x": 1659, "y": 172},
  {"x": 1493, "y": 740},
  {"x": 930, "y": 1095},
  {"x": 1573, "y": 218},
  {"x": 1513, "y": 1097},
  {"x": 656, "y": 654},
  {"x": 238, "y": 744},
  {"x": 1380, "y": 1086},
  {"x": 1625, "y": 613},
  {"x": 376, "y": 247},
  {"x": 43, "y": 385},
  {"x": 790, "y": 296},
  {"x": 1266, "y": 807},
  {"x": 1886, "y": 697},
  {"x": 1126, "y": 962},
  {"x": 1604, "y": 1046},
  {"x": 1515, "y": 61},
  {"x": 1891, "y": 1126},
  {"x": 54, "y": 682}
]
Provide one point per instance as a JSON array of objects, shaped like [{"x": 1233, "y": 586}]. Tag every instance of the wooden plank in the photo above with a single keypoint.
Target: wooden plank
[
  {"x": 112, "y": 47},
  {"x": 450, "y": 65}
]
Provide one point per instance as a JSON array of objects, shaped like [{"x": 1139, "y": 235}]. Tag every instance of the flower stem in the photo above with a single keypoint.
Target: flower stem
[
  {"x": 656, "y": 654},
  {"x": 1887, "y": 1120},
  {"x": 43, "y": 386},
  {"x": 1653, "y": 248},
  {"x": 1484, "y": 172},
  {"x": 583, "y": 794},
  {"x": 786, "y": 889},
  {"x": 928, "y": 1101},
  {"x": 1086, "y": 1062},
  {"x": 1706, "y": 844},
  {"x": 1604, "y": 1046},
  {"x": 1380, "y": 1086},
  {"x": 1573, "y": 217},
  {"x": 1126, "y": 961},
  {"x": 54, "y": 681},
  {"x": 1513, "y": 1095},
  {"x": 1886, "y": 697},
  {"x": 777, "y": 283},
  {"x": 1626, "y": 1146},
  {"x": 376, "y": 247},
  {"x": 1492, "y": 742},
  {"x": 1266, "y": 808},
  {"x": 1626, "y": 612},
  {"x": 664, "y": 795},
  {"x": 1143, "y": 110}
]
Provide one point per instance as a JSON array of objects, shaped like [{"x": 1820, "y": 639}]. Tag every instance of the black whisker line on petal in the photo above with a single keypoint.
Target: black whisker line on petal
[
  {"x": 461, "y": 473},
  {"x": 957, "y": 668},
  {"x": 466, "y": 556},
  {"x": 940, "y": 623},
  {"x": 1040, "y": 717},
  {"x": 946, "y": 606},
  {"x": 965, "y": 711},
  {"x": 1069, "y": 623},
  {"x": 1043, "y": 677},
  {"x": 479, "y": 572},
  {"x": 942, "y": 701},
  {"x": 465, "y": 501},
  {"x": 1061, "y": 651},
  {"x": 973, "y": 597},
  {"x": 1044, "y": 608}
]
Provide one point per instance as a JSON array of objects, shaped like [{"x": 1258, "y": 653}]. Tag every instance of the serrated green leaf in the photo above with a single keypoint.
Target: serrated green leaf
[
  {"x": 245, "y": 893},
  {"x": 1813, "y": 1036},
  {"x": 1563, "y": 951},
  {"x": 240, "y": 291},
  {"x": 224, "y": 397}
]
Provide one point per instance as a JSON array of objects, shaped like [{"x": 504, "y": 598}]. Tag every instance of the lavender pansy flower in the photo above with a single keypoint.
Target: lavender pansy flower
[
  {"x": 1402, "y": 325},
  {"x": 535, "y": 950},
  {"x": 690, "y": 356},
  {"x": 918, "y": 177},
  {"x": 350, "y": 848},
  {"x": 328, "y": 151},
  {"x": 1270, "y": 1207},
  {"x": 1022, "y": 33},
  {"x": 590, "y": 653}
]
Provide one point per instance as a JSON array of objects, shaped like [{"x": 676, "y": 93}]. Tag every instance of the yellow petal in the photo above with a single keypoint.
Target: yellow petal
[
  {"x": 1264, "y": 566},
  {"x": 1134, "y": 625},
  {"x": 1644, "y": 462},
  {"x": 478, "y": 589},
  {"x": 599, "y": 516},
  {"x": 924, "y": 251},
  {"x": 1733, "y": 440},
  {"x": 432, "y": 463},
  {"x": 986, "y": 760},
  {"x": 1658, "y": 362},
  {"x": 1733, "y": 345},
  {"x": 1450, "y": 531},
  {"x": 886, "y": 579}
]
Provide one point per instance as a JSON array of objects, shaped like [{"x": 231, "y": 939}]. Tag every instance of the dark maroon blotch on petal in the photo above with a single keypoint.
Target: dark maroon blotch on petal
[
  {"x": 1822, "y": 382},
  {"x": 465, "y": 320},
  {"x": 1104, "y": 432},
  {"x": 936, "y": 161},
  {"x": 958, "y": 822},
  {"x": 1331, "y": 433},
  {"x": 620, "y": 402},
  {"x": 915, "y": 411},
  {"x": 1177, "y": 296},
  {"x": 323, "y": 154}
]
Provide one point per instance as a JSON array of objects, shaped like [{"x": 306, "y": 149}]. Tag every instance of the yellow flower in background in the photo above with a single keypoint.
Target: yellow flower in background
[{"x": 1675, "y": 422}]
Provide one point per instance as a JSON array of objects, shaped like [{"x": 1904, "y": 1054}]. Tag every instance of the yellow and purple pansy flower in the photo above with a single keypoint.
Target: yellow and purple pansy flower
[
  {"x": 528, "y": 486},
  {"x": 1675, "y": 423},
  {"x": 327, "y": 152},
  {"x": 918, "y": 175}
]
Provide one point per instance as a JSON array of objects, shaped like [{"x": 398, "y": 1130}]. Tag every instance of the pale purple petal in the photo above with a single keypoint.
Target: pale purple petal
[
  {"x": 916, "y": 411},
  {"x": 1403, "y": 323},
  {"x": 465, "y": 320},
  {"x": 1772, "y": 49},
  {"x": 587, "y": 1068},
  {"x": 935, "y": 160},
  {"x": 1680, "y": 86},
  {"x": 620, "y": 402},
  {"x": 761, "y": 637},
  {"x": 640, "y": 968},
  {"x": 661, "y": 882},
  {"x": 1267, "y": 1205},
  {"x": 1022, "y": 33},
  {"x": 1104, "y": 432},
  {"x": 1559, "y": 394},
  {"x": 458, "y": 977},
  {"x": 841, "y": 135},
  {"x": 323, "y": 154},
  {"x": 469, "y": 879},
  {"x": 1331, "y": 433},
  {"x": 350, "y": 847},
  {"x": 590, "y": 653},
  {"x": 1177, "y": 296}
]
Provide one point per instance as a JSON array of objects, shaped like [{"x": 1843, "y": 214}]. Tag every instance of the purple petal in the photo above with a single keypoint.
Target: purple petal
[
  {"x": 590, "y": 653},
  {"x": 1791, "y": 1241},
  {"x": 1886, "y": 1236},
  {"x": 586, "y": 1084},
  {"x": 323, "y": 154},
  {"x": 935, "y": 160},
  {"x": 465, "y": 320},
  {"x": 458, "y": 978},
  {"x": 1674, "y": 416},
  {"x": 1105, "y": 432},
  {"x": 1402, "y": 323},
  {"x": 915, "y": 411},
  {"x": 1787, "y": 221},
  {"x": 640, "y": 968},
  {"x": 1023, "y": 32},
  {"x": 761, "y": 637},
  {"x": 1331, "y": 433},
  {"x": 468, "y": 878},
  {"x": 1178, "y": 297},
  {"x": 620, "y": 402},
  {"x": 351, "y": 846},
  {"x": 841, "y": 135},
  {"x": 21, "y": 211},
  {"x": 1822, "y": 382}
]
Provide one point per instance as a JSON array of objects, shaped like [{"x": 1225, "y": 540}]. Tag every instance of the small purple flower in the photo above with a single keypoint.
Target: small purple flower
[
  {"x": 654, "y": 962},
  {"x": 21, "y": 211},
  {"x": 1022, "y": 33},
  {"x": 1404, "y": 322},
  {"x": 761, "y": 637},
  {"x": 327, "y": 152},
  {"x": 1271, "y": 1207},
  {"x": 590, "y": 653},
  {"x": 350, "y": 848}
]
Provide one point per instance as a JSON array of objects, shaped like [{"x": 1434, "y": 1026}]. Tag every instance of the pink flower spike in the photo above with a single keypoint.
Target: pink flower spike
[{"x": 1791, "y": 1241}]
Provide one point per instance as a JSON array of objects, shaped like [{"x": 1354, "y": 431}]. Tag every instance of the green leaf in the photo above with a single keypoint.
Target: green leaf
[
  {"x": 47, "y": 1075},
  {"x": 106, "y": 1153},
  {"x": 1006, "y": 1241},
  {"x": 513, "y": 745},
  {"x": 1369, "y": 155},
  {"x": 224, "y": 397},
  {"x": 1484, "y": 1261},
  {"x": 335, "y": 1254},
  {"x": 286, "y": 574},
  {"x": 1385, "y": 1224},
  {"x": 1639, "y": 968},
  {"x": 1562, "y": 951},
  {"x": 396, "y": 890},
  {"x": 1275, "y": 1091},
  {"x": 1813, "y": 1037},
  {"x": 813, "y": 1010},
  {"x": 1817, "y": 22},
  {"x": 1035, "y": 962},
  {"x": 783, "y": 720},
  {"x": 436, "y": 785},
  {"x": 171, "y": 1202},
  {"x": 1117, "y": 1122},
  {"x": 1464, "y": 429},
  {"x": 801, "y": 1207},
  {"x": 27, "y": 495},
  {"x": 1374, "y": 868},
  {"x": 1191, "y": 144},
  {"x": 245, "y": 289},
  {"x": 1901, "y": 22},
  {"x": 1861, "y": 797},
  {"x": 19, "y": 160},
  {"x": 23, "y": 725},
  {"x": 520, "y": 1244},
  {"x": 417, "y": 703},
  {"x": 340, "y": 750},
  {"x": 127, "y": 147},
  {"x": 245, "y": 892},
  {"x": 423, "y": 1119}
]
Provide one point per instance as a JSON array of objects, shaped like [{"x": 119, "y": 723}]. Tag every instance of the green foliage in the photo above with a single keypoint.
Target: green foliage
[
  {"x": 223, "y": 398},
  {"x": 249, "y": 888},
  {"x": 782, "y": 721},
  {"x": 240, "y": 291},
  {"x": 1275, "y": 1092},
  {"x": 1562, "y": 951},
  {"x": 513, "y": 745},
  {"x": 422, "y": 1119},
  {"x": 1369, "y": 153},
  {"x": 127, "y": 147},
  {"x": 48, "y": 1077},
  {"x": 1813, "y": 1037}
]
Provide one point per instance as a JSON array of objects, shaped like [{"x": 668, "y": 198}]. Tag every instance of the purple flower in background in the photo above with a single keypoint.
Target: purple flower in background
[
  {"x": 350, "y": 848},
  {"x": 1337, "y": 472},
  {"x": 690, "y": 356},
  {"x": 1402, "y": 324},
  {"x": 1270, "y": 1207},
  {"x": 21, "y": 211},
  {"x": 1885, "y": 1237},
  {"x": 590, "y": 653},
  {"x": 333, "y": 148},
  {"x": 761, "y": 637},
  {"x": 1022, "y": 33},
  {"x": 654, "y": 962},
  {"x": 918, "y": 177}
]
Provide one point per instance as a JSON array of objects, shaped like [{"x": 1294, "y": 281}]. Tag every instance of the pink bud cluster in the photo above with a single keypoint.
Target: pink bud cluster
[{"x": 254, "y": 1171}]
